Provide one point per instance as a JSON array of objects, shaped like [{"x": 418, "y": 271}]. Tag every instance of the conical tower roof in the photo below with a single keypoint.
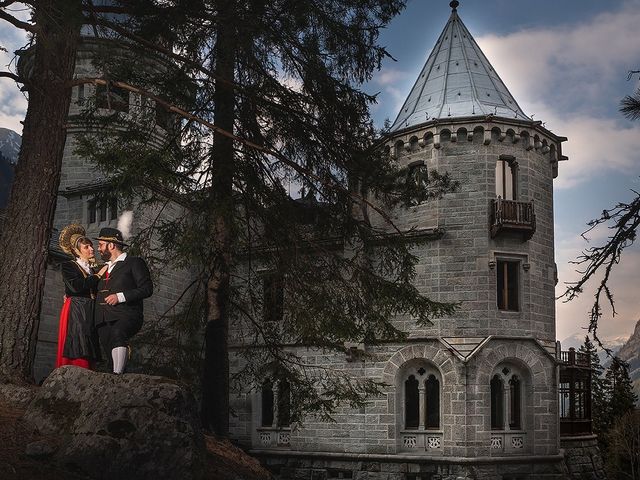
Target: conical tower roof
[{"x": 456, "y": 81}]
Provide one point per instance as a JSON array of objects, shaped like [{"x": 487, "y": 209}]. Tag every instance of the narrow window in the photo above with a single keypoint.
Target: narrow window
[
  {"x": 267, "y": 404},
  {"x": 103, "y": 210},
  {"x": 564, "y": 390},
  {"x": 112, "y": 98},
  {"x": 411, "y": 403},
  {"x": 284, "y": 403},
  {"x": 91, "y": 211},
  {"x": 497, "y": 403},
  {"x": 113, "y": 208},
  {"x": 432, "y": 387},
  {"x": 508, "y": 285},
  {"x": 515, "y": 402},
  {"x": 273, "y": 300},
  {"x": 505, "y": 179},
  {"x": 81, "y": 94}
]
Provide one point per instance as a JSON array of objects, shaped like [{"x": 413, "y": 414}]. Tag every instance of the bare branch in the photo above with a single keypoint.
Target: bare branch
[
  {"x": 18, "y": 23},
  {"x": 12, "y": 76}
]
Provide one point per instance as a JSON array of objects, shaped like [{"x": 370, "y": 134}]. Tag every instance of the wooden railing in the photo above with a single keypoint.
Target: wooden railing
[
  {"x": 571, "y": 357},
  {"x": 513, "y": 216}
]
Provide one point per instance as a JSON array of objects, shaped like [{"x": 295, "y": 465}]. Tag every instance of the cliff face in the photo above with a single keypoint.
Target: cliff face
[
  {"x": 9, "y": 148},
  {"x": 630, "y": 352}
]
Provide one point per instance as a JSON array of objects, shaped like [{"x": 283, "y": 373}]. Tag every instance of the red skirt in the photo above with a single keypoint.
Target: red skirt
[{"x": 62, "y": 334}]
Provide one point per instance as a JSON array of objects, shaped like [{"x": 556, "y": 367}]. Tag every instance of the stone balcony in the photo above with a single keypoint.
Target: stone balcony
[{"x": 512, "y": 216}]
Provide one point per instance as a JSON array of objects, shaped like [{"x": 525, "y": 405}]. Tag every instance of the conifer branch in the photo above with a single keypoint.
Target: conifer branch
[{"x": 268, "y": 151}]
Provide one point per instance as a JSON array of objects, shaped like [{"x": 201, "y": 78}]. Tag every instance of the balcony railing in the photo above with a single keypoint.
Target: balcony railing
[
  {"x": 571, "y": 357},
  {"x": 509, "y": 215}
]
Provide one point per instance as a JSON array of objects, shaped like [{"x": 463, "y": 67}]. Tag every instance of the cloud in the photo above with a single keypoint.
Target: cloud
[
  {"x": 570, "y": 78},
  {"x": 13, "y": 104},
  {"x": 584, "y": 60},
  {"x": 572, "y": 317}
]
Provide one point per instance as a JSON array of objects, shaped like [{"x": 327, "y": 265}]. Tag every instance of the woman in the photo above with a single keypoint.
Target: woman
[{"x": 77, "y": 338}]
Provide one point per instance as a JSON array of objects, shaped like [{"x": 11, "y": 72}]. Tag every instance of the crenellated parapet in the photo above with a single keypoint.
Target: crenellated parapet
[{"x": 529, "y": 136}]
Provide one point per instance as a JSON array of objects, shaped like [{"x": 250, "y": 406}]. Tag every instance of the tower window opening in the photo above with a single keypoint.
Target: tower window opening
[
  {"x": 112, "y": 98},
  {"x": 507, "y": 285},
  {"x": 267, "y": 404},
  {"x": 273, "y": 297},
  {"x": 506, "y": 179}
]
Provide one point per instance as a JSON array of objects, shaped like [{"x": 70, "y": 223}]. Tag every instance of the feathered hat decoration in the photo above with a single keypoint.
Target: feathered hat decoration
[{"x": 69, "y": 237}]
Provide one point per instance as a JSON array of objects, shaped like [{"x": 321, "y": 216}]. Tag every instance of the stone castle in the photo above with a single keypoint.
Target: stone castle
[{"x": 486, "y": 393}]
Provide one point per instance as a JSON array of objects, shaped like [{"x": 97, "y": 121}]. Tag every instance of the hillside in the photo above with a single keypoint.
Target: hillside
[
  {"x": 9, "y": 149},
  {"x": 630, "y": 352}
]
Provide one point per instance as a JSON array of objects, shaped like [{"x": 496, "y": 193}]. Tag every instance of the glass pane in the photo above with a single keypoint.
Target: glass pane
[
  {"x": 497, "y": 403},
  {"x": 411, "y": 403},
  {"x": 433, "y": 402},
  {"x": 267, "y": 404}
]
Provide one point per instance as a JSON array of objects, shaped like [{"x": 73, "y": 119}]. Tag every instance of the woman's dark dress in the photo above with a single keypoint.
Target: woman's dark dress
[{"x": 77, "y": 338}]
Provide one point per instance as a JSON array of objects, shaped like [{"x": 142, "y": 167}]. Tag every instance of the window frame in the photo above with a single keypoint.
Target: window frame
[
  {"x": 424, "y": 404},
  {"x": 504, "y": 164},
  {"x": 504, "y": 287}
]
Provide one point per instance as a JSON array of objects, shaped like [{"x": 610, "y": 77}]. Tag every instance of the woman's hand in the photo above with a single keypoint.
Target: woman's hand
[{"x": 103, "y": 270}]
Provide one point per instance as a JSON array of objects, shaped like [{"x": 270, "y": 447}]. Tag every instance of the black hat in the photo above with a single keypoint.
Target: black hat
[{"x": 113, "y": 235}]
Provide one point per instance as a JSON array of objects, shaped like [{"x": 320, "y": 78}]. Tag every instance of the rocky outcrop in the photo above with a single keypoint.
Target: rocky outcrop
[
  {"x": 630, "y": 353},
  {"x": 126, "y": 427}
]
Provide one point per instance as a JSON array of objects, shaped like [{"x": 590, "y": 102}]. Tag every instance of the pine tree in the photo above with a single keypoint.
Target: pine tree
[
  {"x": 600, "y": 390},
  {"x": 268, "y": 94},
  {"x": 55, "y": 28},
  {"x": 622, "y": 397}
]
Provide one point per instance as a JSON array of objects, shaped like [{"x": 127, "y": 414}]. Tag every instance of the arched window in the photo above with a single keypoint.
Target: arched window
[
  {"x": 506, "y": 178},
  {"x": 432, "y": 396},
  {"x": 420, "y": 399},
  {"x": 275, "y": 403},
  {"x": 267, "y": 404},
  {"x": 497, "y": 403},
  {"x": 411, "y": 403},
  {"x": 507, "y": 397}
]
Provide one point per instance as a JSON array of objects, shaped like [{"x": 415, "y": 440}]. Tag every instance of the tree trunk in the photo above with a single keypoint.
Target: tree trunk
[
  {"x": 215, "y": 387},
  {"x": 27, "y": 227}
]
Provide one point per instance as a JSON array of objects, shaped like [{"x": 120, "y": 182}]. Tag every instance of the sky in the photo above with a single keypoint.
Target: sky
[{"x": 566, "y": 63}]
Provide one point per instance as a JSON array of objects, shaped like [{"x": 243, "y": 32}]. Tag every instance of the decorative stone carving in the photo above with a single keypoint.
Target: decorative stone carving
[
  {"x": 496, "y": 442},
  {"x": 265, "y": 438},
  {"x": 410, "y": 441},
  {"x": 284, "y": 438},
  {"x": 434, "y": 442},
  {"x": 517, "y": 442}
]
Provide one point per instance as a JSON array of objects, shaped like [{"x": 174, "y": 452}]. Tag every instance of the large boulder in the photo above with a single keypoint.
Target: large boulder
[{"x": 119, "y": 426}]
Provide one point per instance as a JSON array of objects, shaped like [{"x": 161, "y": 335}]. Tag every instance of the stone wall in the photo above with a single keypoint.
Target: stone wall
[{"x": 583, "y": 458}]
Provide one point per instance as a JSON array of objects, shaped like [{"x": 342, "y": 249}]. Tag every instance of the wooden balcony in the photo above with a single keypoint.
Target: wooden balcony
[
  {"x": 512, "y": 216},
  {"x": 572, "y": 358}
]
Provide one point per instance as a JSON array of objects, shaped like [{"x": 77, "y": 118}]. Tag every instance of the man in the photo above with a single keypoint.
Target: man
[{"x": 120, "y": 293}]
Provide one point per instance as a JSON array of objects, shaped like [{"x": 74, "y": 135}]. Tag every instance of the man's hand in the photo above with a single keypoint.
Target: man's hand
[{"x": 112, "y": 299}]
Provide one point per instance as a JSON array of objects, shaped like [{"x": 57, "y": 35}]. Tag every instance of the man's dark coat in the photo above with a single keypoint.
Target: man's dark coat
[{"x": 131, "y": 277}]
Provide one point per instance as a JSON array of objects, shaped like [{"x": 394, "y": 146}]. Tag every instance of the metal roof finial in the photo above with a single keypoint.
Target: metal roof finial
[{"x": 454, "y": 5}]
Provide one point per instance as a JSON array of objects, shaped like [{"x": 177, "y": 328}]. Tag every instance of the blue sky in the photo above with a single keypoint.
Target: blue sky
[{"x": 566, "y": 63}]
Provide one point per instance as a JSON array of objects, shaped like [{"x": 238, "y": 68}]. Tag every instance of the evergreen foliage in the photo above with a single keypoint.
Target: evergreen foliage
[
  {"x": 600, "y": 390},
  {"x": 262, "y": 100},
  {"x": 622, "y": 398}
]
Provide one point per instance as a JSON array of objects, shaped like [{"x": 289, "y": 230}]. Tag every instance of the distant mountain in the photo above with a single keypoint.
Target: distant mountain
[
  {"x": 630, "y": 353},
  {"x": 577, "y": 340},
  {"x": 9, "y": 148},
  {"x": 10, "y": 143}
]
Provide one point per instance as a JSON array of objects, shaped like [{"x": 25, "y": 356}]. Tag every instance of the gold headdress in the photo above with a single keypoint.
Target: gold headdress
[{"x": 69, "y": 237}]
